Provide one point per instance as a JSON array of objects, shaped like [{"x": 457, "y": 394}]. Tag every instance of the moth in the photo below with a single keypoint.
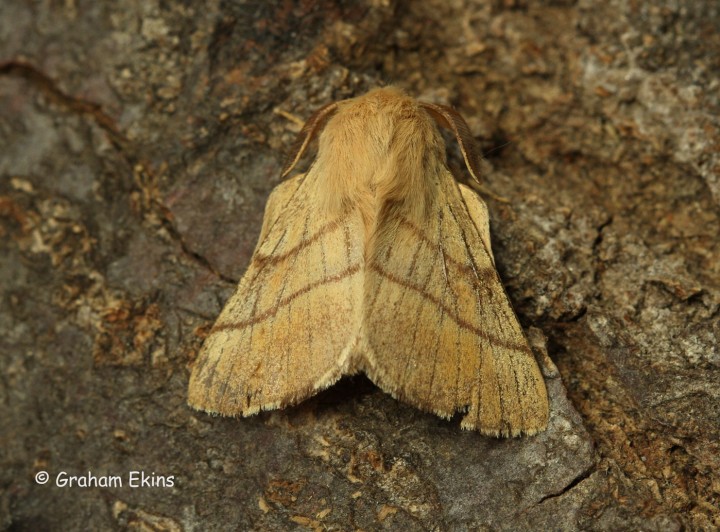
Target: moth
[{"x": 375, "y": 260}]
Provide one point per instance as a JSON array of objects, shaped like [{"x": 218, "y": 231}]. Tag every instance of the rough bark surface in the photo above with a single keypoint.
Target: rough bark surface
[{"x": 138, "y": 144}]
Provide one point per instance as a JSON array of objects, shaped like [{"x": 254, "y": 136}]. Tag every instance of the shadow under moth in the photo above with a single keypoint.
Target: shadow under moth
[{"x": 375, "y": 260}]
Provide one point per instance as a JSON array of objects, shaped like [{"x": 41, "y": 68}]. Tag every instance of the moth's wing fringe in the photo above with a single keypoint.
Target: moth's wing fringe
[{"x": 299, "y": 395}]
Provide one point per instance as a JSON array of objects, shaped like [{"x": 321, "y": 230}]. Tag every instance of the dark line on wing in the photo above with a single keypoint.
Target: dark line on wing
[
  {"x": 519, "y": 392},
  {"x": 323, "y": 257},
  {"x": 441, "y": 219},
  {"x": 348, "y": 241},
  {"x": 209, "y": 376},
  {"x": 473, "y": 267},
  {"x": 274, "y": 259},
  {"x": 492, "y": 343},
  {"x": 428, "y": 276},
  {"x": 501, "y": 395},
  {"x": 272, "y": 311},
  {"x": 221, "y": 392},
  {"x": 285, "y": 207},
  {"x": 457, "y": 319},
  {"x": 458, "y": 358},
  {"x": 458, "y": 265},
  {"x": 376, "y": 294},
  {"x": 410, "y": 270},
  {"x": 279, "y": 298},
  {"x": 444, "y": 313},
  {"x": 260, "y": 267},
  {"x": 288, "y": 209},
  {"x": 472, "y": 220},
  {"x": 513, "y": 367}
]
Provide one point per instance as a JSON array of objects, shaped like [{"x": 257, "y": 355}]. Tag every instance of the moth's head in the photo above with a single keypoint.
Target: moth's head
[
  {"x": 379, "y": 126},
  {"x": 383, "y": 120}
]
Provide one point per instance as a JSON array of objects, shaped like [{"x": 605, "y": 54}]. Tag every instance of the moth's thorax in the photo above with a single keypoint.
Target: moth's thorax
[{"x": 377, "y": 148}]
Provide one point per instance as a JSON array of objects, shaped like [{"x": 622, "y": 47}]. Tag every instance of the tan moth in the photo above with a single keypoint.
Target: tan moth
[{"x": 375, "y": 260}]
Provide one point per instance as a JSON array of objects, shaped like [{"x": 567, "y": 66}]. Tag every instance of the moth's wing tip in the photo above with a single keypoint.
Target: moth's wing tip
[{"x": 469, "y": 422}]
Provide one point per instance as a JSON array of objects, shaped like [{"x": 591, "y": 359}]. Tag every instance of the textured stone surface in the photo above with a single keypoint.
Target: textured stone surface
[{"x": 139, "y": 143}]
